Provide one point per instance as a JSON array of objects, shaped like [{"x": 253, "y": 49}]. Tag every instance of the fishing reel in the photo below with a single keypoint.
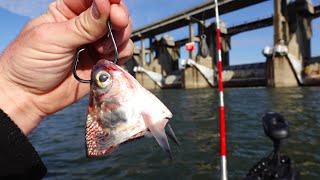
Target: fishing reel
[{"x": 275, "y": 166}]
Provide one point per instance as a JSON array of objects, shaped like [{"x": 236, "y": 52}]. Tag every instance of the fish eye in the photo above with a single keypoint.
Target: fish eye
[{"x": 102, "y": 79}]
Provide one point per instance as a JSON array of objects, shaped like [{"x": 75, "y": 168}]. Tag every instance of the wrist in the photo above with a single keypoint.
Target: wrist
[{"x": 18, "y": 104}]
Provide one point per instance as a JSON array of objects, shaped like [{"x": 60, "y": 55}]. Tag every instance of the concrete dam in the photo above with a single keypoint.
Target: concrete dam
[{"x": 288, "y": 63}]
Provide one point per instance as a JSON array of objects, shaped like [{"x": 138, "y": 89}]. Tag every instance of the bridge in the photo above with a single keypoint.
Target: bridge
[
  {"x": 291, "y": 34},
  {"x": 203, "y": 11}
]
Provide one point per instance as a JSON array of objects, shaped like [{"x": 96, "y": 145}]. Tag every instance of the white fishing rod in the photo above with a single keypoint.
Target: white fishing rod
[{"x": 223, "y": 146}]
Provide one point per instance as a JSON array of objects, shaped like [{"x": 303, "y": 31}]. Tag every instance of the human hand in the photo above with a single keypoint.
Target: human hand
[{"x": 36, "y": 69}]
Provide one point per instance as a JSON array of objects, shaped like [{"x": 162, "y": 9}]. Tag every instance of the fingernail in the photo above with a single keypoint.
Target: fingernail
[{"x": 95, "y": 10}]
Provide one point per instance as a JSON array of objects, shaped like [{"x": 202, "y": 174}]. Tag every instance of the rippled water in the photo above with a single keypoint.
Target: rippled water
[{"x": 60, "y": 138}]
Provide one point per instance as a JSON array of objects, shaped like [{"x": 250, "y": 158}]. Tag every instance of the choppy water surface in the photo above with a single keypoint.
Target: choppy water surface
[{"x": 60, "y": 138}]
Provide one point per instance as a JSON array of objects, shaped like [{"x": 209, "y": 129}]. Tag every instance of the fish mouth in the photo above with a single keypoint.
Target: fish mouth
[{"x": 161, "y": 138}]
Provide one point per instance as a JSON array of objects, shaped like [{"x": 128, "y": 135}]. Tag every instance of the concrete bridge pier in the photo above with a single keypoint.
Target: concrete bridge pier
[
  {"x": 202, "y": 74},
  {"x": 162, "y": 70},
  {"x": 292, "y": 33},
  {"x": 300, "y": 29},
  {"x": 138, "y": 60},
  {"x": 210, "y": 32},
  {"x": 133, "y": 62}
]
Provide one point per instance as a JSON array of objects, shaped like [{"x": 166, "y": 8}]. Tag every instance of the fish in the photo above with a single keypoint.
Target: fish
[{"x": 121, "y": 110}]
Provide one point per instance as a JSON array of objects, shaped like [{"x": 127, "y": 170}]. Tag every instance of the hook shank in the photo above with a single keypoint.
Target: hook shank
[{"x": 116, "y": 54}]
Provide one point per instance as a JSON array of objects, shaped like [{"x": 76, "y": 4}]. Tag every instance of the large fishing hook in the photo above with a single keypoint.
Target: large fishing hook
[{"x": 82, "y": 49}]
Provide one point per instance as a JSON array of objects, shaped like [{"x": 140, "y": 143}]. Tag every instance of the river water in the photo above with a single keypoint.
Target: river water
[{"x": 60, "y": 138}]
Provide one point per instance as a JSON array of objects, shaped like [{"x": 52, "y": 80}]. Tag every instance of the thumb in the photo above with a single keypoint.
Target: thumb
[{"x": 86, "y": 28}]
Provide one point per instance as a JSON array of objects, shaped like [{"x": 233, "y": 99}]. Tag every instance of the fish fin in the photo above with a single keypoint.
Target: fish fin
[
  {"x": 158, "y": 132},
  {"x": 171, "y": 134},
  {"x": 148, "y": 134}
]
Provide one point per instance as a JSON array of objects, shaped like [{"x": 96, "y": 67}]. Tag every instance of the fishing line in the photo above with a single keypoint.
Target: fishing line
[{"x": 116, "y": 55}]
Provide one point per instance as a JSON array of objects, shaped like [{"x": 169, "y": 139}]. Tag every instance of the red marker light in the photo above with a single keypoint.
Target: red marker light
[{"x": 190, "y": 46}]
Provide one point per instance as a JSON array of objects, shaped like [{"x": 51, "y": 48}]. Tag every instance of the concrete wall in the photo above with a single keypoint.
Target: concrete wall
[
  {"x": 212, "y": 42},
  {"x": 167, "y": 56},
  {"x": 312, "y": 72},
  {"x": 192, "y": 78},
  {"x": 245, "y": 75},
  {"x": 165, "y": 63},
  {"x": 146, "y": 82}
]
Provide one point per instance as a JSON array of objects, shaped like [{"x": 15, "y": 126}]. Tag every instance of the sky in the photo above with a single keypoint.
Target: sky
[{"x": 246, "y": 47}]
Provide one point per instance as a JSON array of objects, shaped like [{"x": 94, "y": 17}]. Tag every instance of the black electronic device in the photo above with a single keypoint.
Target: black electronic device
[{"x": 275, "y": 166}]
